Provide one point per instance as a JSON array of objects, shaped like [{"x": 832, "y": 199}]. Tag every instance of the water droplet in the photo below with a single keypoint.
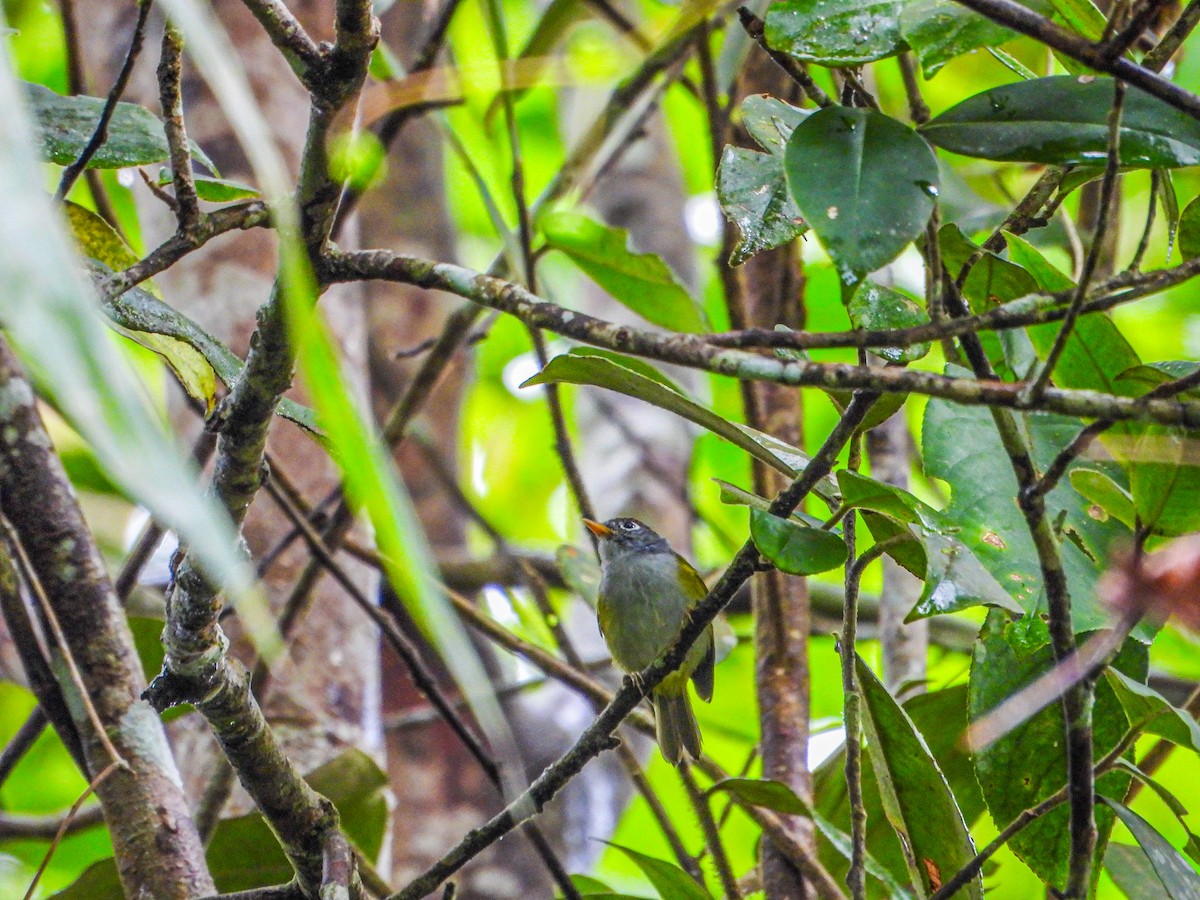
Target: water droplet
[
  {"x": 832, "y": 212},
  {"x": 927, "y": 188}
]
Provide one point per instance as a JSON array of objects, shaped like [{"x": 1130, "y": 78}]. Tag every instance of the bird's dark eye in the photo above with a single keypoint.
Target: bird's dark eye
[{"x": 628, "y": 525}]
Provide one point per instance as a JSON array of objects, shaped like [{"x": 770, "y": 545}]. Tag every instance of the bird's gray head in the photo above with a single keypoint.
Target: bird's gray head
[{"x": 624, "y": 535}]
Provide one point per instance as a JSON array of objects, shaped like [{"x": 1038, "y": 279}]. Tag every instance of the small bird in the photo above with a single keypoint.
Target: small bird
[{"x": 647, "y": 591}]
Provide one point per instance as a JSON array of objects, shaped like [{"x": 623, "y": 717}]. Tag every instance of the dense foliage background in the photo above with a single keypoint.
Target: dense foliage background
[{"x": 684, "y": 212}]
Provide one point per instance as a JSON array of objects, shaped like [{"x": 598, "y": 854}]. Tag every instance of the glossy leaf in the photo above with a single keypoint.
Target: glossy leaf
[
  {"x": 1109, "y": 497},
  {"x": 1164, "y": 484},
  {"x": 916, "y": 798},
  {"x": 1030, "y": 259},
  {"x": 640, "y": 281},
  {"x": 835, "y": 32},
  {"x": 752, "y": 187},
  {"x": 1062, "y": 120},
  {"x": 97, "y": 240},
  {"x": 992, "y": 279},
  {"x": 1176, "y": 874},
  {"x": 940, "y": 30},
  {"x": 793, "y": 547},
  {"x": 864, "y": 182},
  {"x": 877, "y": 308},
  {"x": 668, "y": 879},
  {"x": 1164, "y": 184},
  {"x": 1029, "y": 764}
]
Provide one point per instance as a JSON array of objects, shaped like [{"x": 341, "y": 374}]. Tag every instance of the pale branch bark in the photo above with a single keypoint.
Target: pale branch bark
[
  {"x": 156, "y": 845},
  {"x": 1021, "y": 19},
  {"x": 695, "y": 352},
  {"x": 170, "y": 80},
  {"x": 290, "y": 39}
]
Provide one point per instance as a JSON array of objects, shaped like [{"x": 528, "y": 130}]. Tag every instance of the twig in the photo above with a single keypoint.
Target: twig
[
  {"x": 1156, "y": 185},
  {"x": 170, "y": 73},
  {"x": 1158, "y": 57},
  {"x": 42, "y": 828},
  {"x": 1038, "y": 386},
  {"x": 20, "y": 743},
  {"x": 712, "y": 835},
  {"x": 100, "y": 134},
  {"x": 290, "y": 38},
  {"x": 757, "y": 30}
]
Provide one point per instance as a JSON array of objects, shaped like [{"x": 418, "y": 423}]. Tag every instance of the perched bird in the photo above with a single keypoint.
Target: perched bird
[{"x": 647, "y": 590}]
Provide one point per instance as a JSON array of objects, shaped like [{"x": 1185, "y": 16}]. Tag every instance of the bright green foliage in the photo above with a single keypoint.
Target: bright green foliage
[{"x": 796, "y": 549}]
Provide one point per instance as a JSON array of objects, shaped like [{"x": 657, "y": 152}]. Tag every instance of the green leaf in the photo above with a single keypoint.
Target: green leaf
[
  {"x": 992, "y": 280},
  {"x": 864, "y": 182},
  {"x": 916, "y": 798},
  {"x": 65, "y": 125},
  {"x": 97, "y": 240},
  {"x": 214, "y": 190},
  {"x": 1164, "y": 485},
  {"x": 1165, "y": 192},
  {"x": 358, "y": 788},
  {"x": 1102, "y": 490},
  {"x": 1083, "y": 16},
  {"x": 877, "y": 308},
  {"x": 1189, "y": 230},
  {"x": 795, "y": 548},
  {"x": 137, "y": 312},
  {"x": 600, "y": 372},
  {"x": 1013, "y": 64},
  {"x": 1095, "y": 355},
  {"x": 940, "y": 30},
  {"x": 671, "y": 882},
  {"x": 1149, "y": 711},
  {"x": 1029, "y": 764},
  {"x": 1030, "y": 258},
  {"x": 835, "y": 32},
  {"x": 1176, "y": 874},
  {"x": 1130, "y": 868},
  {"x": 1062, "y": 120},
  {"x": 752, "y": 187},
  {"x": 580, "y": 572},
  {"x": 641, "y": 281},
  {"x": 777, "y": 796}
]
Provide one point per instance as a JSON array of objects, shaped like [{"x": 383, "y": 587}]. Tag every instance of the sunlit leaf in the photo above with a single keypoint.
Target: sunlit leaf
[
  {"x": 668, "y": 879},
  {"x": 214, "y": 190},
  {"x": 1189, "y": 230},
  {"x": 835, "y": 32},
  {"x": 641, "y": 281},
  {"x": 1176, "y": 874},
  {"x": 877, "y": 308},
  {"x": 940, "y": 30},
  {"x": 1149, "y": 710}
]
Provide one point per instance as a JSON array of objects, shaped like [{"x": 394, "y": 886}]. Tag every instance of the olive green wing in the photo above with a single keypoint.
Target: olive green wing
[{"x": 696, "y": 590}]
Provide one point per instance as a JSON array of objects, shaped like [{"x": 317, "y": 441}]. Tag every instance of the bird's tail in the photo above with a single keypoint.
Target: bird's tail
[{"x": 676, "y": 727}]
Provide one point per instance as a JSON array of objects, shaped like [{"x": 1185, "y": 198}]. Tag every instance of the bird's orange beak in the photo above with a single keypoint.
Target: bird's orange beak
[{"x": 600, "y": 531}]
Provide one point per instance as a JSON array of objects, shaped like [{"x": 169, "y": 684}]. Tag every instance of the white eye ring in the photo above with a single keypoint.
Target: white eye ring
[{"x": 629, "y": 526}]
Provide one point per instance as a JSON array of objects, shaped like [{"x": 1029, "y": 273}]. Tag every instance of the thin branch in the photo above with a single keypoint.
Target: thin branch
[
  {"x": 289, "y": 37},
  {"x": 100, "y": 134},
  {"x": 756, "y": 29},
  {"x": 170, "y": 75},
  {"x": 1157, "y": 59},
  {"x": 712, "y": 835},
  {"x": 1107, "y": 190},
  {"x": 20, "y": 743},
  {"x": 14, "y": 826}
]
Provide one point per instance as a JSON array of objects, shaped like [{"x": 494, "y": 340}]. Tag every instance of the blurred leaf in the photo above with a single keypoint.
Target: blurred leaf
[
  {"x": 1083, "y": 16},
  {"x": 916, "y": 799},
  {"x": 1176, "y": 874},
  {"x": 65, "y": 125},
  {"x": 877, "y": 308},
  {"x": 580, "y": 572},
  {"x": 865, "y": 183},
  {"x": 357, "y": 786},
  {"x": 1130, "y": 868},
  {"x": 214, "y": 190},
  {"x": 752, "y": 187},
  {"x": 97, "y": 240},
  {"x": 139, "y": 313},
  {"x": 1062, "y": 120},
  {"x": 1165, "y": 192},
  {"x": 601, "y": 372},
  {"x": 1029, "y": 764},
  {"x": 1102, "y": 490},
  {"x": 671, "y": 882},
  {"x": 1148, "y": 710},
  {"x": 1189, "y": 230},
  {"x": 992, "y": 280},
  {"x": 52, "y": 320},
  {"x": 640, "y": 281},
  {"x": 1142, "y": 378},
  {"x": 1013, "y": 64},
  {"x": 1164, "y": 485},
  {"x": 795, "y": 548},
  {"x": 835, "y": 32}
]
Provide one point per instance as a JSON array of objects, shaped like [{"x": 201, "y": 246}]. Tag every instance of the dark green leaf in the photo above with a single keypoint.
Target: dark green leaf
[
  {"x": 771, "y": 122},
  {"x": 356, "y": 786},
  {"x": 835, "y": 32},
  {"x": 916, "y": 799},
  {"x": 1142, "y": 378},
  {"x": 939, "y": 30},
  {"x": 754, "y": 195},
  {"x": 864, "y": 182},
  {"x": 877, "y": 308},
  {"x": 1189, "y": 230},
  {"x": 1178, "y": 878},
  {"x": 641, "y": 281},
  {"x": 1029, "y": 764},
  {"x": 135, "y": 135},
  {"x": 795, "y": 548},
  {"x": 992, "y": 279},
  {"x": 1165, "y": 192},
  {"x": 861, "y": 492},
  {"x": 1130, "y": 868},
  {"x": 1062, "y": 120},
  {"x": 668, "y": 879}
]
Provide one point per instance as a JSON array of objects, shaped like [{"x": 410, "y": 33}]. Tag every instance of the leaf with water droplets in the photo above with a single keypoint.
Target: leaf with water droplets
[
  {"x": 864, "y": 182},
  {"x": 835, "y": 32},
  {"x": 1062, "y": 120}
]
